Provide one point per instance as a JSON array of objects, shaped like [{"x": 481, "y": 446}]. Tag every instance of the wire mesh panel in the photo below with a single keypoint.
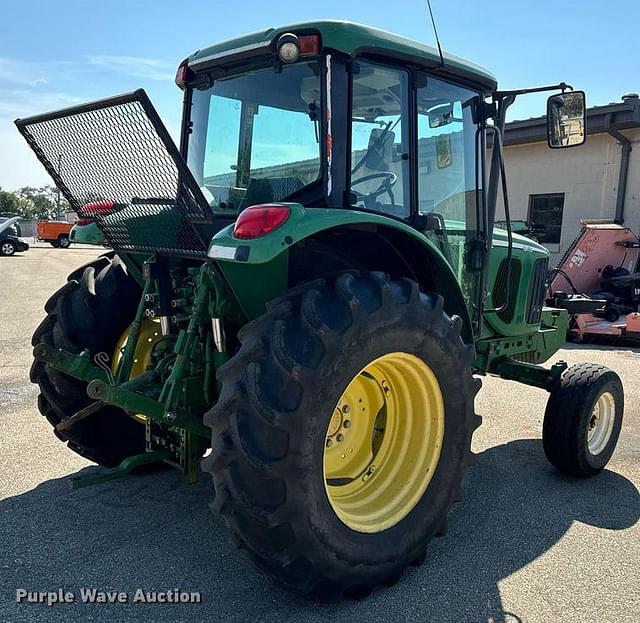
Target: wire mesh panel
[{"x": 114, "y": 161}]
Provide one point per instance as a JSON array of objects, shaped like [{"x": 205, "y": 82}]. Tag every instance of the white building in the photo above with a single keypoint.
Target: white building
[{"x": 553, "y": 189}]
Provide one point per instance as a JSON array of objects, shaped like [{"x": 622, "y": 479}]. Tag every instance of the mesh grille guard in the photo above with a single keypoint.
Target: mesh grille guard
[{"x": 117, "y": 150}]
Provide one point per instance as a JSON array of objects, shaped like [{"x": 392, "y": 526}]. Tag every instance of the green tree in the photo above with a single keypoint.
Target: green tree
[
  {"x": 34, "y": 203},
  {"x": 30, "y": 202},
  {"x": 51, "y": 193},
  {"x": 9, "y": 202}
]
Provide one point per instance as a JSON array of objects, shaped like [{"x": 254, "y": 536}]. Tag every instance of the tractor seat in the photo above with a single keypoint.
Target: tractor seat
[{"x": 265, "y": 189}]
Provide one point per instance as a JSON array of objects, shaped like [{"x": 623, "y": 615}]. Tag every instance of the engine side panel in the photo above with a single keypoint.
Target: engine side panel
[{"x": 518, "y": 294}]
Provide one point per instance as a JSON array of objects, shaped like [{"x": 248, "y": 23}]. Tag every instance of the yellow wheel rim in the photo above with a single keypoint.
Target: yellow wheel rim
[
  {"x": 383, "y": 442},
  {"x": 150, "y": 334}
]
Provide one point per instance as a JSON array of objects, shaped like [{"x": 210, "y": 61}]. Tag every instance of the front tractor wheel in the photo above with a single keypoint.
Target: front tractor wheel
[
  {"x": 342, "y": 433},
  {"x": 583, "y": 419}
]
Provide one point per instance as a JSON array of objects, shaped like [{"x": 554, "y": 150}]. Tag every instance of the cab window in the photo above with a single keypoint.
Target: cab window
[
  {"x": 446, "y": 152},
  {"x": 380, "y": 140},
  {"x": 447, "y": 176}
]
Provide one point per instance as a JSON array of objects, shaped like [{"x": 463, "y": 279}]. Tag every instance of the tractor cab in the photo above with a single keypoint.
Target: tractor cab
[{"x": 341, "y": 116}]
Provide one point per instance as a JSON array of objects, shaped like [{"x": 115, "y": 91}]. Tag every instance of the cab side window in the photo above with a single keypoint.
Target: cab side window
[
  {"x": 380, "y": 140},
  {"x": 446, "y": 152}
]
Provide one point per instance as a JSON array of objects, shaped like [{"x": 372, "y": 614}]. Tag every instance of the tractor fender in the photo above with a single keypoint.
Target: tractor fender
[{"x": 256, "y": 270}]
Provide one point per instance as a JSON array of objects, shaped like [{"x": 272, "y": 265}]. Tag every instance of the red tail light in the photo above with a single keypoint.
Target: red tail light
[
  {"x": 97, "y": 208},
  {"x": 183, "y": 75},
  {"x": 256, "y": 221}
]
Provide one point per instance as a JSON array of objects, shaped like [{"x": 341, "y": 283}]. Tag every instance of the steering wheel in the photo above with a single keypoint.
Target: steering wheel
[{"x": 388, "y": 181}]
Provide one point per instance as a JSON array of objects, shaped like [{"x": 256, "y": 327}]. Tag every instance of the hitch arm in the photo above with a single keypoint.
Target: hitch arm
[
  {"x": 126, "y": 467},
  {"x": 78, "y": 366},
  {"x": 138, "y": 403}
]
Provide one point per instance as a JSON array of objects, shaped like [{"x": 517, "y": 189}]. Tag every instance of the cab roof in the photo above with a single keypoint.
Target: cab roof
[{"x": 352, "y": 39}]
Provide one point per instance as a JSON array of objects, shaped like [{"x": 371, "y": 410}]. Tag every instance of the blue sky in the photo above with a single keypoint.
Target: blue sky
[{"x": 54, "y": 54}]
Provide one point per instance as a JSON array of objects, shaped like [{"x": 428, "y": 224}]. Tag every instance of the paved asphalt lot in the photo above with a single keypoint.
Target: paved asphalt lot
[{"x": 525, "y": 545}]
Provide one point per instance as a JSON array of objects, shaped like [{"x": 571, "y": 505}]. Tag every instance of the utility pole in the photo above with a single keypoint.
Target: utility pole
[{"x": 58, "y": 189}]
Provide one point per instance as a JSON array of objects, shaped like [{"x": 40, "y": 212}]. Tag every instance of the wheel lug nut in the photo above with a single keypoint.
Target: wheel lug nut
[
  {"x": 347, "y": 423},
  {"x": 329, "y": 443},
  {"x": 346, "y": 409},
  {"x": 340, "y": 437}
]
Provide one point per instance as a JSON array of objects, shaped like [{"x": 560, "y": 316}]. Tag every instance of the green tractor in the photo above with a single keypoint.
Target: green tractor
[{"x": 302, "y": 295}]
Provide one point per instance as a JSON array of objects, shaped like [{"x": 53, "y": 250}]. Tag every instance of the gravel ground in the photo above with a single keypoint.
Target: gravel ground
[{"x": 526, "y": 544}]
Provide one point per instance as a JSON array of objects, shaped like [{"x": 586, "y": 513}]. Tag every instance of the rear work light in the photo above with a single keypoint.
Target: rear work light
[{"x": 256, "y": 221}]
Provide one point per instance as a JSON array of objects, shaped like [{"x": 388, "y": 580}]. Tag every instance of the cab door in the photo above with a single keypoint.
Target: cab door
[
  {"x": 449, "y": 179},
  {"x": 415, "y": 150}
]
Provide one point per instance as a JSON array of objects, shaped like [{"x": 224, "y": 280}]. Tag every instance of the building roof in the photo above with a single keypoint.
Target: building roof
[
  {"x": 351, "y": 38},
  {"x": 624, "y": 114}
]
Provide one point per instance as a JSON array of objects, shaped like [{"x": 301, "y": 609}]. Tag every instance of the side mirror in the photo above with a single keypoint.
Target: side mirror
[{"x": 566, "y": 119}]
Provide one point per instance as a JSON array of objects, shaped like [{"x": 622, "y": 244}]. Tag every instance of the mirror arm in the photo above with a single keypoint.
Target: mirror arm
[
  {"x": 496, "y": 176},
  {"x": 497, "y": 149},
  {"x": 562, "y": 86},
  {"x": 503, "y": 104}
]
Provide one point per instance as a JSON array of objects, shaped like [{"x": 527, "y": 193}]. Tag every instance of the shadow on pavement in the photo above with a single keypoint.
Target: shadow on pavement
[{"x": 156, "y": 533}]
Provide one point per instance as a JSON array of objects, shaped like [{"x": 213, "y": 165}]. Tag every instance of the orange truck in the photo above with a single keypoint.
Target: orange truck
[{"x": 55, "y": 232}]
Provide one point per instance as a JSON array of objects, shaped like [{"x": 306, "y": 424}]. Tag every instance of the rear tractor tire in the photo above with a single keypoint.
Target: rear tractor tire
[
  {"x": 342, "y": 433},
  {"x": 91, "y": 311},
  {"x": 583, "y": 419}
]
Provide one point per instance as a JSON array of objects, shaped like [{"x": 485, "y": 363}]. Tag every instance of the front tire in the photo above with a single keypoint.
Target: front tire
[
  {"x": 91, "y": 311},
  {"x": 275, "y": 485},
  {"x": 583, "y": 419},
  {"x": 7, "y": 248},
  {"x": 64, "y": 242}
]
